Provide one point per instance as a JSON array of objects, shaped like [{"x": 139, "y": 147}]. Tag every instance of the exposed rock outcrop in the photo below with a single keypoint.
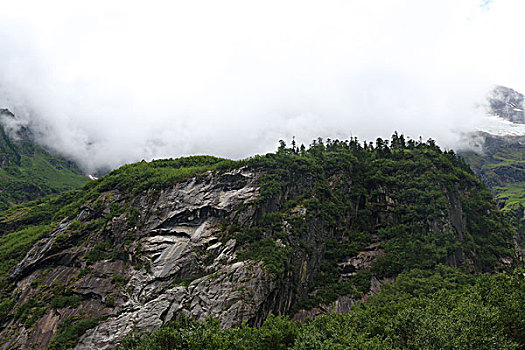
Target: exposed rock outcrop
[
  {"x": 180, "y": 229},
  {"x": 507, "y": 103}
]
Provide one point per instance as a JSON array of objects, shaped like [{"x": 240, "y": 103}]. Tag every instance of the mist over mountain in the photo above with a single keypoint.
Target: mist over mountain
[
  {"x": 496, "y": 149},
  {"x": 507, "y": 104},
  {"x": 27, "y": 171},
  {"x": 375, "y": 229},
  {"x": 118, "y": 83}
]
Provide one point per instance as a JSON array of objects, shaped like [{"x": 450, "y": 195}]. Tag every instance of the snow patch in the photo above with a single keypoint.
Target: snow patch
[{"x": 498, "y": 126}]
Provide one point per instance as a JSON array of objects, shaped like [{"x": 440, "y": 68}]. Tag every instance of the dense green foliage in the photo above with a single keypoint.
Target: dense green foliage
[
  {"x": 276, "y": 333},
  {"x": 60, "y": 301},
  {"x": 424, "y": 205},
  {"x": 70, "y": 332},
  {"x": 439, "y": 309}
]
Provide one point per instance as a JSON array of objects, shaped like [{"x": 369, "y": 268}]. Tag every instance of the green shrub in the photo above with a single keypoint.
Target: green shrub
[
  {"x": 70, "y": 331},
  {"x": 60, "y": 301}
]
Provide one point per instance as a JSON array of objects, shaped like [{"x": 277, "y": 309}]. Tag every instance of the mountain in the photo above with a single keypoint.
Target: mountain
[
  {"x": 499, "y": 160},
  {"x": 507, "y": 104},
  {"x": 27, "y": 171},
  {"x": 300, "y": 232}
]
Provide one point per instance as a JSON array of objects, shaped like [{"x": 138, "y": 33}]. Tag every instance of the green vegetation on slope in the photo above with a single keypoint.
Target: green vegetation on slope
[
  {"x": 512, "y": 195},
  {"x": 438, "y": 309},
  {"x": 70, "y": 332},
  {"x": 23, "y": 225},
  {"x": 14, "y": 245},
  {"x": 424, "y": 206},
  {"x": 129, "y": 179},
  {"x": 28, "y": 172},
  {"x": 37, "y": 176},
  {"x": 501, "y": 166}
]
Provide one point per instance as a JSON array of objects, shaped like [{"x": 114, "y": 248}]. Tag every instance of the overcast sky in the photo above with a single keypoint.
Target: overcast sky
[{"x": 110, "y": 82}]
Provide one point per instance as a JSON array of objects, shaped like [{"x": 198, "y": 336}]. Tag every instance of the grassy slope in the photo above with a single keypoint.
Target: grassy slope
[
  {"x": 502, "y": 168},
  {"x": 35, "y": 176},
  {"x": 511, "y": 194}
]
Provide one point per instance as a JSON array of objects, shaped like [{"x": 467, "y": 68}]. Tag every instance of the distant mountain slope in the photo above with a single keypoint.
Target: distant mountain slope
[
  {"x": 501, "y": 167},
  {"x": 500, "y": 163},
  {"x": 27, "y": 171},
  {"x": 507, "y": 103}
]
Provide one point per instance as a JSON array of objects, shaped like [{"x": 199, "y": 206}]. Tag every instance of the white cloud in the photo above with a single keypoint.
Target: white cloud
[{"x": 113, "y": 82}]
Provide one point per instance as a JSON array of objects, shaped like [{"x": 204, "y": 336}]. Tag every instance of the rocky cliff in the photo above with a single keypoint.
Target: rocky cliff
[
  {"x": 298, "y": 232},
  {"x": 507, "y": 104}
]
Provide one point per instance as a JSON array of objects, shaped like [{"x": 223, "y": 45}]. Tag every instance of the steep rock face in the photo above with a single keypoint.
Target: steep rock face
[
  {"x": 180, "y": 229},
  {"x": 507, "y": 103},
  {"x": 291, "y": 234}
]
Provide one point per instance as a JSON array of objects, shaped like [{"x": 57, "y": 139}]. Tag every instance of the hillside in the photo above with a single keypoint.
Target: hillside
[
  {"x": 299, "y": 232},
  {"x": 498, "y": 158},
  {"x": 442, "y": 309},
  {"x": 27, "y": 171},
  {"x": 501, "y": 166}
]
